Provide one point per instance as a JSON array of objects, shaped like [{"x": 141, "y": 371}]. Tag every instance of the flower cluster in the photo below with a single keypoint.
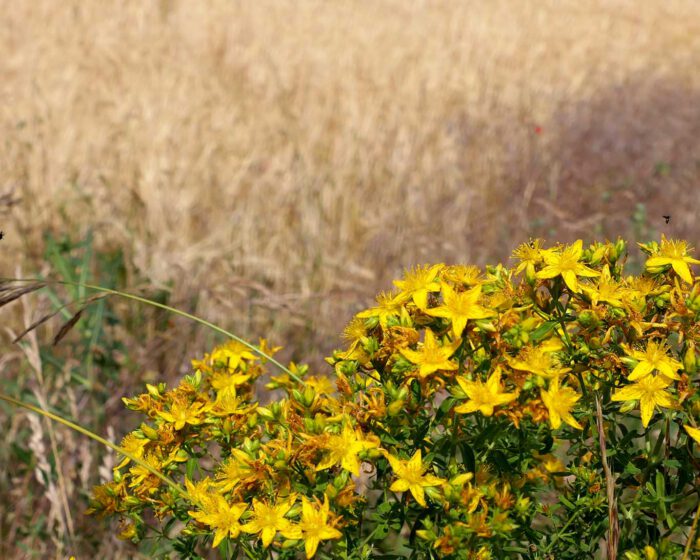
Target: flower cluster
[{"x": 467, "y": 417}]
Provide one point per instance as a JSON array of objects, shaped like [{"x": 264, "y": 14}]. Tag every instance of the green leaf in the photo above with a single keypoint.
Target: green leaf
[
  {"x": 384, "y": 508},
  {"x": 543, "y": 330},
  {"x": 567, "y": 503}
]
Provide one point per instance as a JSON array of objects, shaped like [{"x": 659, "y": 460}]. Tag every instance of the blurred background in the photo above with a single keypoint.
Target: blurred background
[{"x": 270, "y": 165}]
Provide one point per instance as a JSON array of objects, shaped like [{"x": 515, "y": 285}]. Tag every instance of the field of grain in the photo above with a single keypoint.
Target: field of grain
[{"x": 275, "y": 163}]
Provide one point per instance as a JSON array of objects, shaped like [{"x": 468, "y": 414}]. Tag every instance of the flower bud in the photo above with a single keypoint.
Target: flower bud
[
  {"x": 434, "y": 494},
  {"x": 598, "y": 254},
  {"x": 689, "y": 361},
  {"x": 266, "y": 413},
  {"x": 522, "y": 505},
  {"x": 309, "y": 396},
  {"x": 485, "y": 325},
  {"x": 588, "y": 319},
  {"x": 226, "y": 426},
  {"x": 628, "y": 406},
  {"x": 530, "y": 274},
  {"x": 153, "y": 390},
  {"x": 149, "y": 432},
  {"x": 289, "y": 543},
  {"x": 426, "y": 535},
  {"x": 620, "y": 248},
  {"x": 629, "y": 361},
  {"x": 132, "y": 501},
  {"x": 395, "y": 408}
]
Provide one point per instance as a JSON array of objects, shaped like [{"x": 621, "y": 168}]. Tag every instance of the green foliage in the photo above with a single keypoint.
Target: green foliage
[
  {"x": 474, "y": 417},
  {"x": 546, "y": 411}
]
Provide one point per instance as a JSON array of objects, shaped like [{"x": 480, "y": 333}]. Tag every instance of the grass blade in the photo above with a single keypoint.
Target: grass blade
[
  {"x": 147, "y": 301},
  {"x": 174, "y": 485},
  {"x": 65, "y": 329},
  {"x": 15, "y": 293},
  {"x": 45, "y": 318}
]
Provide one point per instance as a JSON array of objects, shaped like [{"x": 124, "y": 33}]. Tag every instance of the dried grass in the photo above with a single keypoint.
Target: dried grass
[
  {"x": 318, "y": 147},
  {"x": 281, "y": 161}
]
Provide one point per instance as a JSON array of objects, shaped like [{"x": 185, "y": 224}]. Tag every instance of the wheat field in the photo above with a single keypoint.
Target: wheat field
[{"x": 276, "y": 163}]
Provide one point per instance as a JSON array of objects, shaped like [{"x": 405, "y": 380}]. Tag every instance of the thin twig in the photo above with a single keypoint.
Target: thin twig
[
  {"x": 691, "y": 536},
  {"x": 613, "y": 522}
]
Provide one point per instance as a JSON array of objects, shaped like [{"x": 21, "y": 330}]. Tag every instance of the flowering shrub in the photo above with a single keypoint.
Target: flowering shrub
[{"x": 545, "y": 411}]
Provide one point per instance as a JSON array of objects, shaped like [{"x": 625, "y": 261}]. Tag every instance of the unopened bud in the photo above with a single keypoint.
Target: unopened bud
[
  {"x": 484, "y": 325},
  {"x": 628, "y": 406},
  {"x": 434, "y": 494},
  {"x": 395, "y": 408},
  {"x": 689, "y": 361},
  {"x": 149, "y": 432},
  {"x": 153, "y": 390}
]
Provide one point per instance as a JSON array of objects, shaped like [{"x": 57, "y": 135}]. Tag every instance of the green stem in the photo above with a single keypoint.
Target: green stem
[
  {"x": 560, "y": 531},
  {"x": 691, "y": 535},
  {"x": 147, "y": 301},
  {"x": 99, "y": 439}
]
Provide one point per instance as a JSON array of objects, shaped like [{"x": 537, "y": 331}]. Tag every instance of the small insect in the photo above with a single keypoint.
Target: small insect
[
  {"x": 667, "y": 218},
  {"x": 2, "y": 234}
]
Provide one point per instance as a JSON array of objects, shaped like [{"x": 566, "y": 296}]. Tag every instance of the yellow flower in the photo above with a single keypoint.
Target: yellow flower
[
  {"x": 484, "y": 397},
  {"x": 226, "y": 383},
  {"x": 410, "y": 476},
  {"x": 674, "y": 253},
  {"x": 220, "y": 516},
  {"x": 268, "y": 519},
  {"x": 321, "y": 385},
  {"x": 313, "y": 527},
  {"x": 231, "y": 354},
  {"x": 559, "y": 402},
  {"x": 344, "y": 450},
  {"x": 550, "y": 463},
  {"x": 107, "y": 498},
  {"x": 233, "y": 470},
  {"x": 355, "y": 333},
  {"x": 459, "y": 307},
  {"x": 417, "y": 283},
  {"x": 539, "y": 360},
  {"x": 649, "y": 391},
  {"x": 228, "y": 403},
  {"x": 653, "y": 358},
  {"x": 134, "y": 445},
  {"x": 692, "y": 432},
  {"x": 566, "y": 264},
  {"x": 389, "y": 305},
  {"x": 432, "y": 356},
  {"x": 182, "y": 412},
  {"x": 143, "y": 477},
  {"x": 198, "y": 492},
  {"x": 128, "y": 531},
  {"x": 606, "y": 290},
  {"x": 462, "y": 274},
  {"x": 529, "y": 254}
]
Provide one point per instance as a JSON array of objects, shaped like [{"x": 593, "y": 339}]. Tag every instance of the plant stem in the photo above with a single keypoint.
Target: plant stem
[
  {"x": 613, "y": 521},
  {"x": 172, "y": 310},
  {"x": 99, "y": 439},
  {"x": 691, "y": 536}
]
